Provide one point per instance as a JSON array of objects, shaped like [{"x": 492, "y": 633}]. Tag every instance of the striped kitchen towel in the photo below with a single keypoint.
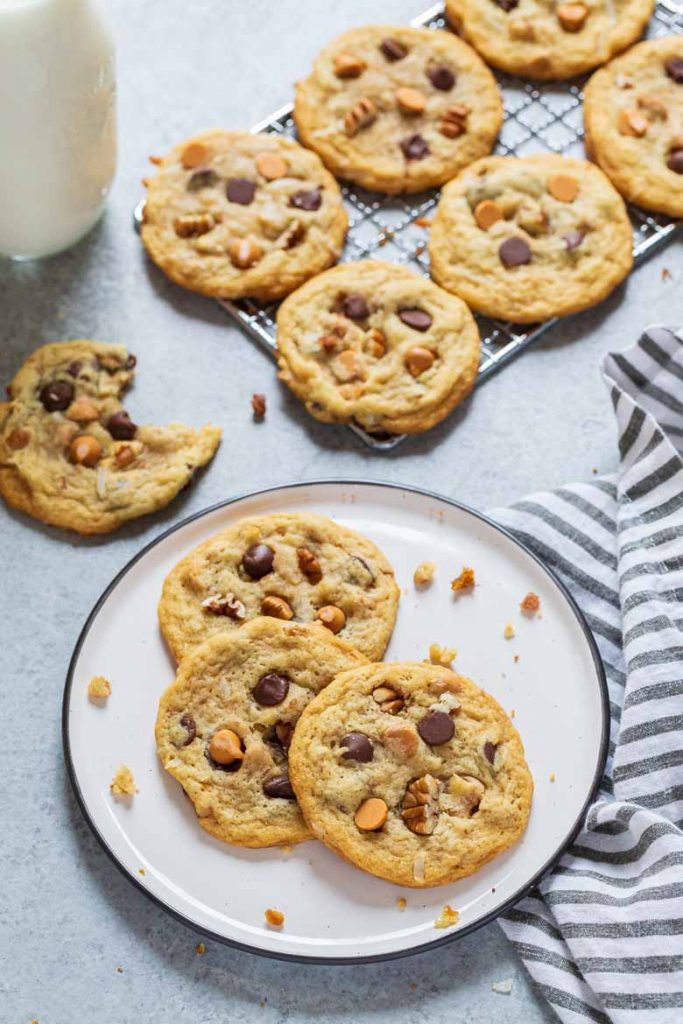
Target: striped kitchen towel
[{"x": 602, "y": 936}]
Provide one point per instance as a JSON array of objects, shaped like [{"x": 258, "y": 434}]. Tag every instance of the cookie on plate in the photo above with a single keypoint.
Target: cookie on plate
[
  {"x": 377, "y": 344},
  {"x": 232, "y": 214},
  {"x": 537, "y": 39},
  {"x": 633, "y": 115},
  {"x": 531, "y": 238},
  {"x": 69, "y": 453},
  {"x": 224, "y": 726},
  {"x": 292, "y": 566},
  {"x": 411, "y": 772},
  {"x": 398, "y": 109}
]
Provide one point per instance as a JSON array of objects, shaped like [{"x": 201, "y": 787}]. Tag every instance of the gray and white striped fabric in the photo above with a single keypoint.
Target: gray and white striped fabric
[{"x": 603, "y": 934}]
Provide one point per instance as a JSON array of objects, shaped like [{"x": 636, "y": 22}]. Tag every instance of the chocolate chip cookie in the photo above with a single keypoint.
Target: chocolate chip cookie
[
  {"x": 633, "y": 115},
  {"x": 232, "y": 214},
  {"x": 376, "y": 344},
  {"x": 543, "y": 40},
  {"x": 398, "y": 109},
  {"x": 411, "y": 772},
  {"x": 71, "y": 456},
  {"x": 531, "y": 238},
  {"x": 224, "y": 726},
  {"x": 291, "y": 566}
]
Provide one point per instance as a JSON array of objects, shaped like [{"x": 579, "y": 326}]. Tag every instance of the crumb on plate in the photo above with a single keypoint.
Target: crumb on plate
[
  {"x": 275, "y": 918},
  {"x": 99, "y": 688},
  {"x": 123, "y": 783},
  {"x": 465, "y": 581},
  {"x": 424, "y": 574},
  {"x": 530, "y": 604},
  {"x": 401, "y": 903},
  {"x": 509, "y": 631},
  {"x": 447, "y": 918}
]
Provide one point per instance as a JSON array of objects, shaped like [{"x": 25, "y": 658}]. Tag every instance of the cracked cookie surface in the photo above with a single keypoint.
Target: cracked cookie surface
[
  {"x": 224, "y": 725},
  {"x": 294, "y": 566},
  {"x": 232, "y": 214},
  {"x": 69, "y": 454},
  {"x": 524, "y": 239},
  {"x": 542, "y": 39},
  {"x": 398, "y": 109},
  {"x": 633, "y": 115},
  {"x": 377, "y": 344},
  {"x": 411, "y": 772}
]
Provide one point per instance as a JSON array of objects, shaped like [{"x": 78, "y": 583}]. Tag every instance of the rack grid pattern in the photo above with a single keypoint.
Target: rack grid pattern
[{"x": 538, "y": 117}]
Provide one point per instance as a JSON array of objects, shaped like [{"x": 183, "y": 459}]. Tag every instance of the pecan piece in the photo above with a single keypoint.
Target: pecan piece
[
  {"x": 225, "y": 604},
  {"x": 420, "y": 811},
  {"x": 192, "y": 225},
  {"x": 454, "y": 121},
  {"x": 360, "y": 116},
  {"x": 309, "y": 565}
]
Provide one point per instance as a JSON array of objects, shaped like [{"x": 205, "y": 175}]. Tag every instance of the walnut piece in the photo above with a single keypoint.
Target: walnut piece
[{"x": 420, "y": 811}]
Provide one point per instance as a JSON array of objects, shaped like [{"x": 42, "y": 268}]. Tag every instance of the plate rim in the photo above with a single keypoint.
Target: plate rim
[{"x": 303, "y": 958}]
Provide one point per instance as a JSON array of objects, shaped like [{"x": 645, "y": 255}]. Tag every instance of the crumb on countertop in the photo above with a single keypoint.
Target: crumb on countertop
[
  {"x": 509, "y": 631},
  {"x": 666, "y": 274},
  {"x": 275, "y": 918},
  {"x": 443, "y": 656},
  {"x": 530, "y": 604},
  {"x": 465, "y": 581},
  {"x": 424, "y": 574},
  {"x": 99, "y": 688},
  {"x": 141, "y": 871},
  {"x": 123, "y": 783},
  {"x": 552, "y": 776},
  {"x": 516, "y": 658},
  {"x": 447, "y": 918},
  {"x": 200, "y": 949},
  {"x": 119, "y": 970},
  {"x": 401, "y": 903},
  {"x": 503, "y": 987},
  {"x": 258, "y": 406}
]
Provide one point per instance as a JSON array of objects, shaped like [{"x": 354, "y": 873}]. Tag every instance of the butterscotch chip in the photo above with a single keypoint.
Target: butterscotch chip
[
  {"x": 653, "y": 106},
  {"x": 271, "y": 165},
  {"x": 563, "y": 187},
  {"x": 521, "y": 28},
  {"x": 572, "y": 16},
  {"x": 99, "y": 688},
  {"x": 82, "y": 410},
  {"x": 531, "y": 604},
  {"x": 348, "y": 66},
  {"x": 275, "y": 918},
  {"x": 486, "y": 213},
  {"x": 225, "y": 747},
  {"x": 424, "y": 574},
  {"x": 123, "y": 783},
  {"x": 244, "y": 252},
  {"x": 375, "y": 343},
  {"x": 465, "y": 581},
  {"x": 447, "y": 918},
  {"x": 350, "y": 392},
  {"x": 371, "y": 814},
  {"x": 411, "y": 101},
  {"x": 195, "y": 155},
  {"x": 419, "y": 359},
  {"x": 85, "y": 450},
  {"x": 630, "y": 122},
  {"x": 332, "y": 618}
]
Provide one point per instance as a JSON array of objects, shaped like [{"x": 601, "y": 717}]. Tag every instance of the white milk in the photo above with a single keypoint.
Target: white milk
[{"x": 57, "y": 122}]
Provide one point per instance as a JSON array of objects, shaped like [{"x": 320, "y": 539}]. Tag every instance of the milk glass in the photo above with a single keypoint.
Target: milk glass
[{"x": 57, "y": 123}]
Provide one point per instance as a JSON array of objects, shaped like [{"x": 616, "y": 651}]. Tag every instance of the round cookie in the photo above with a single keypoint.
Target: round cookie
[
  {"x": 410, "y": 772},
  {"x": 225, "y": 724},
  {"x": 377, "y": 344},
  {"x": 70, "y": 455},
  {"x": 232, "y": 214},
  {"x": 543, "y": 40},
  {"x": 531, "y": 238},
  {"x": 633, "y": 116},
  {"x": 398, "y": 109},
  {"x": 292, "y": 566}
]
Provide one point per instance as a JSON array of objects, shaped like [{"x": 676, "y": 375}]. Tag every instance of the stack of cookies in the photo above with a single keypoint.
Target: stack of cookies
[{"x": 283, "y": 724}]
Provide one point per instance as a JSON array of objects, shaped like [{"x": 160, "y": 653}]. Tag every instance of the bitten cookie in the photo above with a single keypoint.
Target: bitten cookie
[
  {"x": 398, "y": 109},
  {"x": 633, "y": 115},
  {"x": 543, "y": 40},
  {"x": 531, "y": 238},
  {"x": 410, "y": 772},
  {"x": 232, "y": 214},
  {"x": 299, "y": 567},
  {"x": 376, "y": 344},
  {"x": 224, "y": 726},
  {"x": 69, "y": 453}
]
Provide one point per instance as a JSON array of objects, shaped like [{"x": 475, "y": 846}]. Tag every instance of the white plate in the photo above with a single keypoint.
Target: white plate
[{"x": 334, "y": 912}]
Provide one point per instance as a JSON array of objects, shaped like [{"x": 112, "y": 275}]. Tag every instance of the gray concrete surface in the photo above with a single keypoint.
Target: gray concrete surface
[{"x": 70, "y": 920}]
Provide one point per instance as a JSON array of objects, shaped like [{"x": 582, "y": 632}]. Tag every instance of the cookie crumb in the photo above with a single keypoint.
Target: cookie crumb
[
  {"x": 275, "y": 918},
  {"x": 504, "y": 987},
  {"x": 123, "y": 783},
  {"x": 513, "y": 713},
  {"x": 258, "y": 406},
  {"x": 509, "y": 631},
  {"x": 516, "y": 658},
  {"x": 200, "y": 949},
  {"x": 119, "y": 970},
  {"x": 155, "y": 160},
  {"x": 465, "y": 581},
  {"x": 595, "y": 471},
  {"x": 424, "y": 574},
  {"x": 666, "y": 274},
  {"x": 413, "y": 986},
  {"x": 447, "y": 918},
  {"x": 401, "y": 903},
  {"x": 99, "y": 688},
  {"x": 530, "y": 605},
  {"x": 552, "y": 776},
  {"x": 141, "y": 871},
  {"x": 423, "y": 222},
  {"x": 443, "y": 656}
]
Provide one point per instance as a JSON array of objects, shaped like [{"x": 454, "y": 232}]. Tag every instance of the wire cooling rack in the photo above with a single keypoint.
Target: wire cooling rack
[{"x": 538, "y": 117}]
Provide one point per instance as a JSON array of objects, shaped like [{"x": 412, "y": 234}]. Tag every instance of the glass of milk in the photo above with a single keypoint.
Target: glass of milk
[{"x": 57, "y": 123}]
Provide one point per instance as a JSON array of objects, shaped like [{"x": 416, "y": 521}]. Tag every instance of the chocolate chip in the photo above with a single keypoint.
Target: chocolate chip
[
  {"x": 573, "y": 239},
  {"x": 121, "y": 427},
  {"x": 507, "y": 5},
  {"x": 414, "y": 147},
  {"x": 436, "y": 727},
  {"x": 271, "y": 689},
  {"x": 279, "y": 786},
  {"x": 258, "y": 561},
  {"x": 190, "y": 727},
  {"x": 674, "y": 68},
  {"x": 204, "y": 178},
  {"x": 73, "y": 369},
  {"x": 513, "y": 252},
  {"x": 441, "y": 77},
  {"x": 354, "y": 306},
  {"x": 308, "y": 201},
  {"x": 675, "y": 161},
  {"x": 131, "y": 362},
  {"x": 240, "y": 190},
  {"x": 418, "y": 319},
  {"x": 57, "y": 395},
  {"x": 358, "y": 747},
  {"x": 490, "y": 751},
  {"x": 393, "y": 49}
]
